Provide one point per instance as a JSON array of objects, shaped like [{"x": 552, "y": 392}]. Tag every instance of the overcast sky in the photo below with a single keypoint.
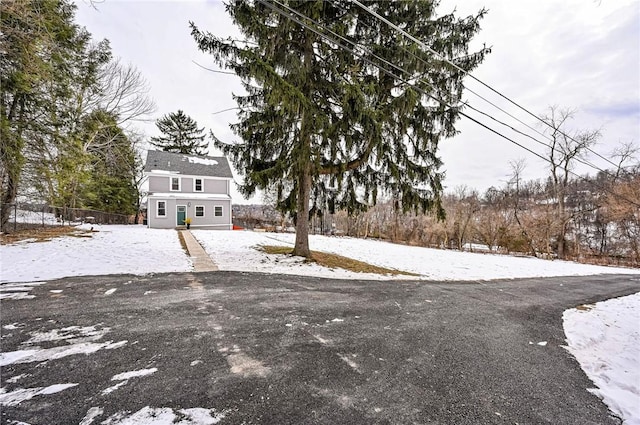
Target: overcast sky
[{"x": 578, "y": 54}]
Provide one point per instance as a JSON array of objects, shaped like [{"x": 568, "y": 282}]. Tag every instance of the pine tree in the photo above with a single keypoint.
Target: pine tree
[
  {"x": 180, "y": 134},
  {"x": 320, "y": 124},
  {"x": 59, "y": 162},
  {"x": 113, "y": 160},
  {"x": 37, "y": 36}
]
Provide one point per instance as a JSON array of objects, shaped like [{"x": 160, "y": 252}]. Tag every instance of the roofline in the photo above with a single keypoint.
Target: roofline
[
  {"x": 178, "y": 174},
  {"x": 186, "y": 154},
  {"x": 190, "y": 195}
]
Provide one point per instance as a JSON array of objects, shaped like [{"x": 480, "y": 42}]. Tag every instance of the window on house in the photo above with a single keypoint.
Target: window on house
[
  {"x": 197, "y": 185},
  {"x": 199, "y": 211},
  {"x": 175, "y": 183},
  {"x": 217, "y": 211},
  {"x": 162, "y": 209}
]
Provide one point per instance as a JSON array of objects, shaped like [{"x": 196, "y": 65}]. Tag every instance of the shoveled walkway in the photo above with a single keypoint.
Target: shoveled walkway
[{"x": 201, "y": 260}]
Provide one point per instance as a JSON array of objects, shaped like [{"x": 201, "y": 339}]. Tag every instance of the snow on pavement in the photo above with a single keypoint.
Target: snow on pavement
[
  {"x": 125, "y": 376},
  {"x": 133, "y": 374},
  {"x": 166, "y": 416},
  {"x": 19, "y": 395},
  {"x": 111, "y": 249},
  {"x": 605, "y": 339},
  {"x": 75, "y": 339},
  {"x": 18, "y": 291},
  {"x": 235, "y": 250}
]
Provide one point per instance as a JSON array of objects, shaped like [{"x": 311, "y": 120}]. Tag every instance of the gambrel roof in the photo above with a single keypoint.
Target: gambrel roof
[{"x": 208, "y": 166}]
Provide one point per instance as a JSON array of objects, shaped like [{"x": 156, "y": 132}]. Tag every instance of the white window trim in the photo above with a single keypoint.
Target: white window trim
[
  {"x": 158, "y": 209},
  {"x": 195, "y": 211},
  {"x": 221, "y": 211},
  {"x": 171, "y": 189},
  {"x": 201, "y": 184}
]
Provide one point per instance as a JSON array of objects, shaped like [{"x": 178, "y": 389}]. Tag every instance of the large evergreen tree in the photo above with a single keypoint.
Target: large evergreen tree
[
  {"x": 180, "y": 134},
  {"x": 63, "y": 101},
  {"x": 36, "y": 37},
  {"x": 113, "y": 161},
  {"x": 320, "y": 124},
  {"x": 59, "y": 148}
]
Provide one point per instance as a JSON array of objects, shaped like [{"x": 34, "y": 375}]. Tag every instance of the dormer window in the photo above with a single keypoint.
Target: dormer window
[
  {"x": 197, "y": 185},
  {"x": 175, "y": 183}
]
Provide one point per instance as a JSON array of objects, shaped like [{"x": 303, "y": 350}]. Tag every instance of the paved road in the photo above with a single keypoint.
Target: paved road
[{"x": 264, "y": 349}]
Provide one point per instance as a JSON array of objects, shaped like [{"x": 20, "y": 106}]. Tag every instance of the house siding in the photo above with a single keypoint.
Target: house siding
[
  {"x": 215, "y": 186},
  {"x": 208, "y": 221},
  {"x": 159, "y": 184},
  {"x": 216, "y": 175},
  {"x": 186, "y": 185},
  {"x": 166, "y": 222}
]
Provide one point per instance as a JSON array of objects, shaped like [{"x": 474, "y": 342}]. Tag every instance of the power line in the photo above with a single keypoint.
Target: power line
[
  {"x": 423, "y": 45},
  {"x": 214, "y": 70},
  {"x": 391, "y": 74},
  {"x": 580, "y": 160},
  {"x": 224, "y": 110}
]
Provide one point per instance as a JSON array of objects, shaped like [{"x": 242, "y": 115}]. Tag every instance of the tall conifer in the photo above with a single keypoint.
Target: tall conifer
[
  {"x": 319, "y": 124},
  {"x": 180, "y": 134}
]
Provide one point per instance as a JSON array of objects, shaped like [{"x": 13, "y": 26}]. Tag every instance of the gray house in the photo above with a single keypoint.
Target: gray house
[{"x": 182, "y": 186}]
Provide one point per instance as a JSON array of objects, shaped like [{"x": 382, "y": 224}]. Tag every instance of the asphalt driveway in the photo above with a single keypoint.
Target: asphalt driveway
[{"x": 241, "y": 348}]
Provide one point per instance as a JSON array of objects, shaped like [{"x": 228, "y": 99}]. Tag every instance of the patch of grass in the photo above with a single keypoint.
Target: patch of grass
[
  {"x": 43, "y": 234},
  {"x": 183, "y": 243},
  {"x": 272, "y": 249},
  {"x": 334, "y": 261}
]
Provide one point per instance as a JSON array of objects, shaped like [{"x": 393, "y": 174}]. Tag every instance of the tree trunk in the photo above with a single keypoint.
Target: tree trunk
[
  {"x": 301, "y": 247},
  {"x": 8, "y": 197},
  {"x": 561, "y": 253},
  {"x": 562, "y": 236},
  {"x": 136, "y": 219},
  {"x": 12, "y": 160}
]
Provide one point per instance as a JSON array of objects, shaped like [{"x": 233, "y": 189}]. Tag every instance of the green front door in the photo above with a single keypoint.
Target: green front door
[{"x": 182, "y": 214}]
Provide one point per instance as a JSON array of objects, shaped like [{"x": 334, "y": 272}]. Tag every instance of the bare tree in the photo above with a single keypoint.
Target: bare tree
[
  {"x": 514, "y": 189},
  {"x": 566, "y": 147},
  {"x": 121, "y": 92},
  {"x": 493, "y": 220},
  {"x": 460, "y": 208},
  {"x": 124, "y": 92},
  {"x": 625, "y": 154},
  {"x": 139, "y": 177},
  {"x": 111, "y": 98},
  {"x": 622, "y": 200}
]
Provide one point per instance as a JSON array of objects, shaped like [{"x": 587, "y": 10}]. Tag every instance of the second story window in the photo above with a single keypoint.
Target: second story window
[
  {"x": 197, "y": 186},
  {"x": 175, "y": 183}
]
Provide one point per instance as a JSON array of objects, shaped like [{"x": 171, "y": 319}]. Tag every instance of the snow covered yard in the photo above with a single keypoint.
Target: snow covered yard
[
  {"x": 136, "y": 249},
  {"x": 234, "y": 250},
  {"x": 605, "y": 339},
  {"x": 111, "y": 249}
]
